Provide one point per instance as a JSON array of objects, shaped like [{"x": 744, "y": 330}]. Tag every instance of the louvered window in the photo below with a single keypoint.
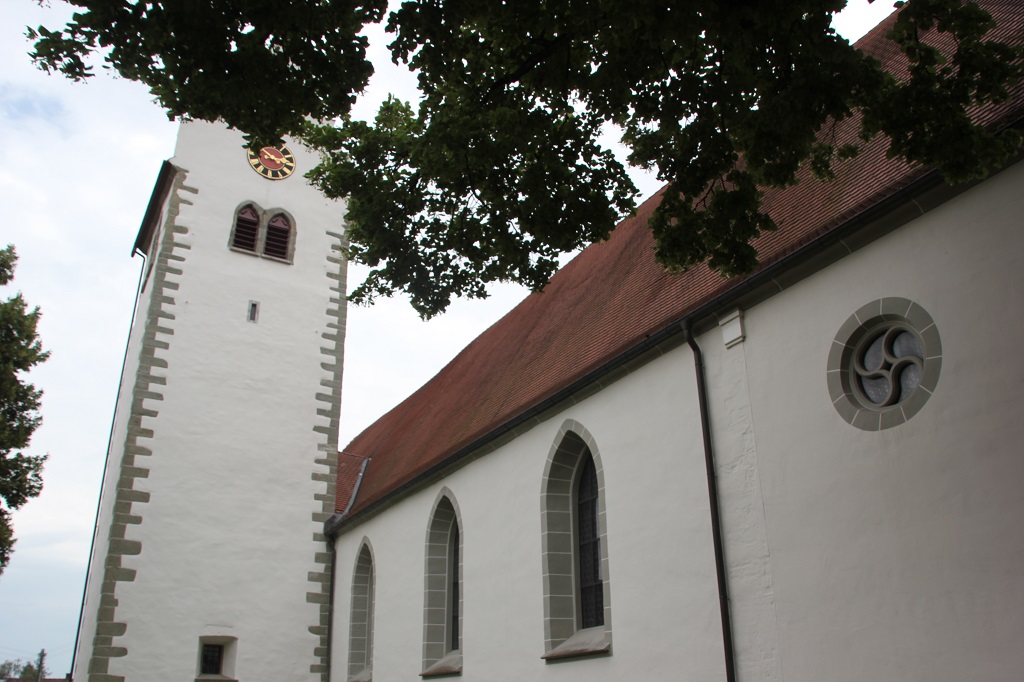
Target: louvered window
[
  {"x": 279, "y": 234},
  {"x": 247, "y": 229},
  {"x": 255, "y": 234}
]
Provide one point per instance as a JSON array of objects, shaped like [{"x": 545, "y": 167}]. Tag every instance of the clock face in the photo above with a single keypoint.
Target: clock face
[{"x": 273, "y": 163}]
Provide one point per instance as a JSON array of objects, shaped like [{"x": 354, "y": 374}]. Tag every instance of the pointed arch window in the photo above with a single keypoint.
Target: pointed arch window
[
  {"x": 442, "y": 602},
  {"x": 279, "y": 237},
  {"x": 588, "y": 547},
  {"x": 577, "y": 611},
  {"x": 270, "y": 234},
  {"x": 247, "y": 229},
  {"x": 360, "y": 638}
]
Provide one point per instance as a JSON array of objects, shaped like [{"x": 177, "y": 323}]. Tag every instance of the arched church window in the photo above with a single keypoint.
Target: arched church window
[
  {"x": 577, "y": 612},
  {"x": 442, "y": 602},
  {"x": 360, "y": 639},
  {"x": 257, "y": 234},
  {"x": 247, "y": 229},
  {"x": 588, "y": 546},
  {"x": 279, "y": 237}
]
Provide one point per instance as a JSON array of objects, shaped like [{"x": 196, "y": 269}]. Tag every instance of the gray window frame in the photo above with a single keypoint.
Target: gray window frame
[{"x": 564, "y": 634}]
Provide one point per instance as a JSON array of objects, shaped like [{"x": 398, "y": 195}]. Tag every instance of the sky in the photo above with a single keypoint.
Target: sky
[{"x": 78, "y": 165}]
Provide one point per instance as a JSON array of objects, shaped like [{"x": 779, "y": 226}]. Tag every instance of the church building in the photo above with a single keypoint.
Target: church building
[{"x": 811, "y": 473}]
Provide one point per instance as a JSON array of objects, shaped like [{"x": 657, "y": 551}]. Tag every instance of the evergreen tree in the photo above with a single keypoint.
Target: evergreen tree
[{"x": 20, "y": 350}]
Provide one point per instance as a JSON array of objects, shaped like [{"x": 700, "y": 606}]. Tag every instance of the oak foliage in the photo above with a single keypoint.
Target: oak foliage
[{"x": 499, "y": 168}]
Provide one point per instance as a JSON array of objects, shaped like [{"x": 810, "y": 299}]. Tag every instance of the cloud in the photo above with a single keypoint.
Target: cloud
[{"x": 25, "y": 106}]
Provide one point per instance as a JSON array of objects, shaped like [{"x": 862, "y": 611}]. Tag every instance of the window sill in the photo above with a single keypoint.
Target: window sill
[
  {"x": 264, "y": 256},
  {"x": 247, "y": 252},
  {"x": 215, "y": 678},
  {"x": 364, "y": 675},
  {"x": 589, "y": 642},
  {"x": 450, "y": 664}
]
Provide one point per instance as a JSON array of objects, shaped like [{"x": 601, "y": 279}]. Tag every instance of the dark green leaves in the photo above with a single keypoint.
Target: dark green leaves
[
  {"x": 927, "y": 117},
  {"x": 502, "y": 167},
  {"x": 259, "y": 65}
]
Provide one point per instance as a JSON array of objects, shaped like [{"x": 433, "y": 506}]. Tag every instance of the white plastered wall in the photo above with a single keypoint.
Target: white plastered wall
[
  {"x": 118, "y": 434},
  {"x": 894, "y": 554},
  {"x": 228, "y": 532},
  {"x": 664, "y": 603},
  {"x": 852, "y": 555}
]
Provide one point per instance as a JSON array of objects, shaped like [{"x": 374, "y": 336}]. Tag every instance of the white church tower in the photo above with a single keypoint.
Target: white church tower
[{"x": 208, "y": 559}]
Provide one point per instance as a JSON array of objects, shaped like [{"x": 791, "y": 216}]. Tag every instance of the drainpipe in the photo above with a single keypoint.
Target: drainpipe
[{"x": 716, "y": 522}]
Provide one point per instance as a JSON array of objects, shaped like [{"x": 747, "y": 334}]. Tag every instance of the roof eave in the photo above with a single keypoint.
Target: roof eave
[
  {"x": 161, "y": 189},
  {"x": 921, "y": 194}
]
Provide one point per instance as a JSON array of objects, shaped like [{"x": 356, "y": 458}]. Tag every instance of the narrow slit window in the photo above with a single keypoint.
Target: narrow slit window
[
  {"x": 254, "y": 311},
  {"x": 453, "y": 587},
  {"x": 279, "y": 234},
  {"x": 247, "y": 229},
  {"x": 589, "y": 547}
]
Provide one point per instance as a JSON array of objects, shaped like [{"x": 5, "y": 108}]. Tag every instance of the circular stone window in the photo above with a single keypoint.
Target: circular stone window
[{"x": 884, "y": 364}]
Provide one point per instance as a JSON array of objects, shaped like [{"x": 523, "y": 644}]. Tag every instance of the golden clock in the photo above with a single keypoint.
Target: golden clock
[{"x": 273, "y": 163}]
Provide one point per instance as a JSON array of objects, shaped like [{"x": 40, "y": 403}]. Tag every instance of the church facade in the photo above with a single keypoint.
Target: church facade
[{"x": 811, "y": 473}]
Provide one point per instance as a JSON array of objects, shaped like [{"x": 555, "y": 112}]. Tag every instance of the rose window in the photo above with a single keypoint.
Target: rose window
[
  {"x": 888, "y": 365},
  {"x": 884, "y": 364}
]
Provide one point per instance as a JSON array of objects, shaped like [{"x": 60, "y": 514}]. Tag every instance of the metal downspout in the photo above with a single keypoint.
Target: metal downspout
[{"x": 716, "y": 523}]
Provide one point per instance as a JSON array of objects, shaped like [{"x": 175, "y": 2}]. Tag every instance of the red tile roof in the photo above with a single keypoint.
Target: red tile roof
[
  {"x": 349, "y": 468},
  {"x": 612, "y": 297}
]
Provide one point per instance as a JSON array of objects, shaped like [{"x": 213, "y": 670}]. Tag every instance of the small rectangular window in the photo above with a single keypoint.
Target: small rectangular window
[
  {"x": 212, "y": 660},
  {"x": 216, "y": 657},
  {"x": 253, "y": 313}
]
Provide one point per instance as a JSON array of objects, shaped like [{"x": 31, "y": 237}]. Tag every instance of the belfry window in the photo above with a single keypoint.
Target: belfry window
[
  {"x": 247, "y": 229},
  {"x": 279, "y": 236},
  {"x": 270, "y": 234}
]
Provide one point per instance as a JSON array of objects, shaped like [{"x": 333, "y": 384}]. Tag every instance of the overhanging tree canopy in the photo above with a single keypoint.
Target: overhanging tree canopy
[{"x": 500, "y": 168}]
